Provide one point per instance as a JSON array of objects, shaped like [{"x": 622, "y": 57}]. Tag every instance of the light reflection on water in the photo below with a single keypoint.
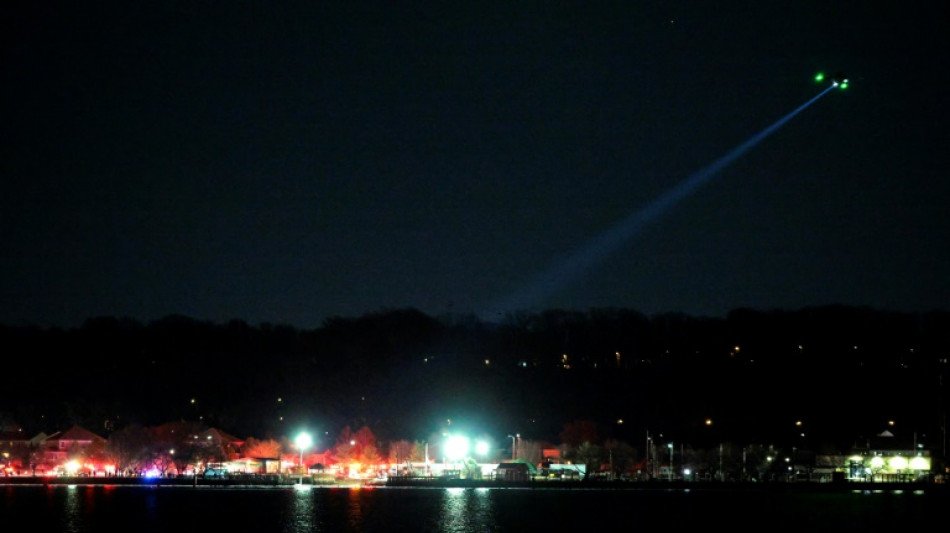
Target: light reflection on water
[
  {"x": 302, "y": 515},
  {"x": 72, "y": 511},
  {"x": 359, "y": 510},
  {"x": 354, "y": 508},
  {"x": 100, "y": 509},
  {"x": 466, "y": 510}
]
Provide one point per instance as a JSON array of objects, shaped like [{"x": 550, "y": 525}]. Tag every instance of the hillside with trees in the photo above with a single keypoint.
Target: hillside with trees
[{"x": 846, "y": 371}]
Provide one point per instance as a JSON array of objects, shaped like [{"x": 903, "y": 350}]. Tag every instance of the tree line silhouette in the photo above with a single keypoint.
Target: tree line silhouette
[{"x": 845, "y": 371}]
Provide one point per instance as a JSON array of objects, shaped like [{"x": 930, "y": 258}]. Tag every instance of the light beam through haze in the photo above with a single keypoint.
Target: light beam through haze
[{"x": 562, "y": 273}]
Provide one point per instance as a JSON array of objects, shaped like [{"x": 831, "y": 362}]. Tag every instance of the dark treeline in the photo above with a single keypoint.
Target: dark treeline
[{"x": 844, "y": 371}]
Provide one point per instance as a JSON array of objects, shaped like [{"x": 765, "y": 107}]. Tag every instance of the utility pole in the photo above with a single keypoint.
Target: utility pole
[
  {"x": 720, "y": 462},
  {"x": 743, "y": 464},
  {"x": 611, "y": 451},
  {"x": 646, "y": 463},
  {"x": 671, "y": 461}
]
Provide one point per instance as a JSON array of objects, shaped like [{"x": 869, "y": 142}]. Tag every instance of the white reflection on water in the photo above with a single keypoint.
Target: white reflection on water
[
  {"x": 72, "y": 510},
  {"x": 302, "y": 514},
  {"x": 87, "y": 509},
  {"x": 467, "y": 511}
]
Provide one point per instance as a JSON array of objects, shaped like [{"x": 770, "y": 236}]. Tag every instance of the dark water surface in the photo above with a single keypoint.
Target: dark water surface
[{"x": 75, "y": 509}]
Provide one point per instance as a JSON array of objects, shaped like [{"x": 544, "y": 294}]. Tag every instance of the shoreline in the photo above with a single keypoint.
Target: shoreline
[
  {"x": 440, "y": 483},
  {"x": 283, "y": 481},
  {"x": 656, "y": 485}
]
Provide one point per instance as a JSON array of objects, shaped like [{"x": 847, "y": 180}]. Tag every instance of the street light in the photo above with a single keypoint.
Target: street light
[
  {"x": 303, "y": 440},
  {"x": 671, "y": 460},
  {"x": 516, "y": 435},
  {"x": 456, "y": 450},
  {"x": 456, "y": 447},
  {"x": 651, "y": 471}
]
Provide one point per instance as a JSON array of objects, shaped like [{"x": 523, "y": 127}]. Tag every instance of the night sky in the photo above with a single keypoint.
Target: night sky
[{"x": 286, "y": 162}]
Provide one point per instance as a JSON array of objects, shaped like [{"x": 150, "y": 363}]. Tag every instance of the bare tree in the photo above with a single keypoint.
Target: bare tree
[
  {"x": 262, "y": 449},
  {"x": 588, "y": 454},
  {"x": 400, "y": 451},
  {"x": 419, "y": 452},
  {"x": 530, "y": 451},
  {"x": 129, "y": 448},
  {"x": 371, "y": 455},
  {"x": 162, "y": 458},
  {"x": 620, "y": 456}
]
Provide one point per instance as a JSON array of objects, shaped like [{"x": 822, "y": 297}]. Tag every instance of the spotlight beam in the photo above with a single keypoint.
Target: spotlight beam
[{"x": 560, "y": 274}]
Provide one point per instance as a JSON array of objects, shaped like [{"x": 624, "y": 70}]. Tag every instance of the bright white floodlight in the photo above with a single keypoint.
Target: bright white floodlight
[
  {"x": 456, "y": 447},
  {"x": 302, "y": 441}
]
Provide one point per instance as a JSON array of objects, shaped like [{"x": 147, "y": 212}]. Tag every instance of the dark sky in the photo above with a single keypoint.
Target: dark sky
[{"x": 289, "y": 161}]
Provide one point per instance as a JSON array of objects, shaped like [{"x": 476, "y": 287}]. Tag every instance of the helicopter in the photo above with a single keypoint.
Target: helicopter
[{"x": 839, "y": 80}]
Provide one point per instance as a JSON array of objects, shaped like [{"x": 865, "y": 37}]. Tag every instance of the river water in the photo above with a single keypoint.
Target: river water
[{"x": 140, "y": 509}]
